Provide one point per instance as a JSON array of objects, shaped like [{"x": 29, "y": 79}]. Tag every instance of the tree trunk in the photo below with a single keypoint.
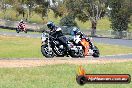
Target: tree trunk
[
  {"x": 30, "y": 9},
  {"x": 120, "y": 34},
  {"x": 23, "y": 14},
  {"x": 93, "y": 31}
]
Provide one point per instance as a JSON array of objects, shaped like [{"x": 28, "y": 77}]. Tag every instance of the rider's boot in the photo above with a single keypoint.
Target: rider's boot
[{"x": 67, "y": 53}]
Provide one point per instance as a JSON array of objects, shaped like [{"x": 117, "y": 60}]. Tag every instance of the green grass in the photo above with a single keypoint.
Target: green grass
[
  {"x": 60, "y": 76},
  {"x": 15, "y": 47},
  {"x": 21, "y": 47},
  {"x": 103, "y": 24},
  {"x": 107, "y": 49},
  {"x": 7, "y": 30}
]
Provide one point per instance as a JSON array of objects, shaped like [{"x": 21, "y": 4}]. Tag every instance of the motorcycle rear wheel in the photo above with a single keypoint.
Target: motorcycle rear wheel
[{"x": 73, "y": 55}]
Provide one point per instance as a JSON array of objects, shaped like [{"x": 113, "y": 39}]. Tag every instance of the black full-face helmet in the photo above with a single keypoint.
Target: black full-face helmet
[{"x": 50, "y": 25}]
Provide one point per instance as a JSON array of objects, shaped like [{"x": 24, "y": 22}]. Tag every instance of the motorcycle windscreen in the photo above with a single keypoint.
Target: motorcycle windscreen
[
  {"x": 43, "y": 37},
  {"x": 86, "y": 46}
]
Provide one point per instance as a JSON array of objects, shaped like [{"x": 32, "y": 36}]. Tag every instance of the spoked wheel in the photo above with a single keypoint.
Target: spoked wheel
[{"x": 46, "y": 52}]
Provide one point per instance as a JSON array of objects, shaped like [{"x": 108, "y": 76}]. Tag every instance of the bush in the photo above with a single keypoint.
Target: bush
[{"x": 68, "y": 21}]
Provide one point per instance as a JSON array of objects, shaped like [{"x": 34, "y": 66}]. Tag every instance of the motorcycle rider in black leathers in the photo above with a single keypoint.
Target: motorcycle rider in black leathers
[{"x": 57, "y": 33}]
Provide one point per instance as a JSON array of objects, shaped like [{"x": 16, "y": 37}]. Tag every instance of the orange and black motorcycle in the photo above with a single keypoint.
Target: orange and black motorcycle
[{"x": 88, "y": 46}]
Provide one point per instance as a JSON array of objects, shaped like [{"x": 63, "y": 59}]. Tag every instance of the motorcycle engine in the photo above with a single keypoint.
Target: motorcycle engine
[
  {"x": 56, "y": 42},
  {"x": 77, "y": 48}
]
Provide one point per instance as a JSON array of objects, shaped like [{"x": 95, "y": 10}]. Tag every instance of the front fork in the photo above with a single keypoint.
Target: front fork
[{"x": 49, "y": 48}]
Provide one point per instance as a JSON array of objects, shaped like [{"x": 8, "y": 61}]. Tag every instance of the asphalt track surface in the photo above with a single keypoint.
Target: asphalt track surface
[{"x": 121, "y": 42}]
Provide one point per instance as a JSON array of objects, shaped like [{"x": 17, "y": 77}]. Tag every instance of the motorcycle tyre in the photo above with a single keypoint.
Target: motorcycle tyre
[
  {"x": 96, "y": 52},
  {"x": 44, "y": 53}
]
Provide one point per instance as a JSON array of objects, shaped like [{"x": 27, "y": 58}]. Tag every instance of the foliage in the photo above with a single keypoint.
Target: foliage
[
  {"x": 42, "y": 7},
  {"x": 20, "y": 10},
  {"x": 62, "y": 10},
  {"x": 120, "y": 14},
  {"x": 82, "y": 10},
  {"x": 85, "y": 10},
  {"x": 27, "y": 7},
  {"x": 59, "y": 10},
  {"x": 68, "y": 21}
]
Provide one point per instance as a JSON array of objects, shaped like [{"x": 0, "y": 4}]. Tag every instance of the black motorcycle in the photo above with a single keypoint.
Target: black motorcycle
[{"x": 52, "y": 47}]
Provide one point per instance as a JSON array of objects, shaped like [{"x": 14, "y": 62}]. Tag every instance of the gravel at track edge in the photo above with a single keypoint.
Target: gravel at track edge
[{"x": 43, "y": 62}]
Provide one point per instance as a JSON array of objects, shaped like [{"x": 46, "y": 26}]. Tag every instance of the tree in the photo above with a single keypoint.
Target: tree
[
  {"x": 91, "y": 10},
  {"x": 120, "y": 15},
  {"x": 30, "y": 4},
  {"x": 86, "y": 10},
  {"x": 62, "y": 9},
  {"x": 131, "y": 13},
  {"x": 42, "y": 7},
  {"x": 4, "y": 4},
  {"x": 24, "y": 7},
  {"x": 59, "y": 8},
  {"x": 68, "y": 21}
]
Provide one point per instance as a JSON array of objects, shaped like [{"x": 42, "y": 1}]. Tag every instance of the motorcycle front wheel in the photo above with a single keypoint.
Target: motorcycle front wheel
[
  {"x": 46, "y": 52},
  {"x": 17, "y": 30},
  {"x": 96, "y": 52}
]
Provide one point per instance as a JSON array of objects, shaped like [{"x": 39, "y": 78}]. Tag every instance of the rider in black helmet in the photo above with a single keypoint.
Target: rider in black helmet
[{"x": 57, "y": 33}]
